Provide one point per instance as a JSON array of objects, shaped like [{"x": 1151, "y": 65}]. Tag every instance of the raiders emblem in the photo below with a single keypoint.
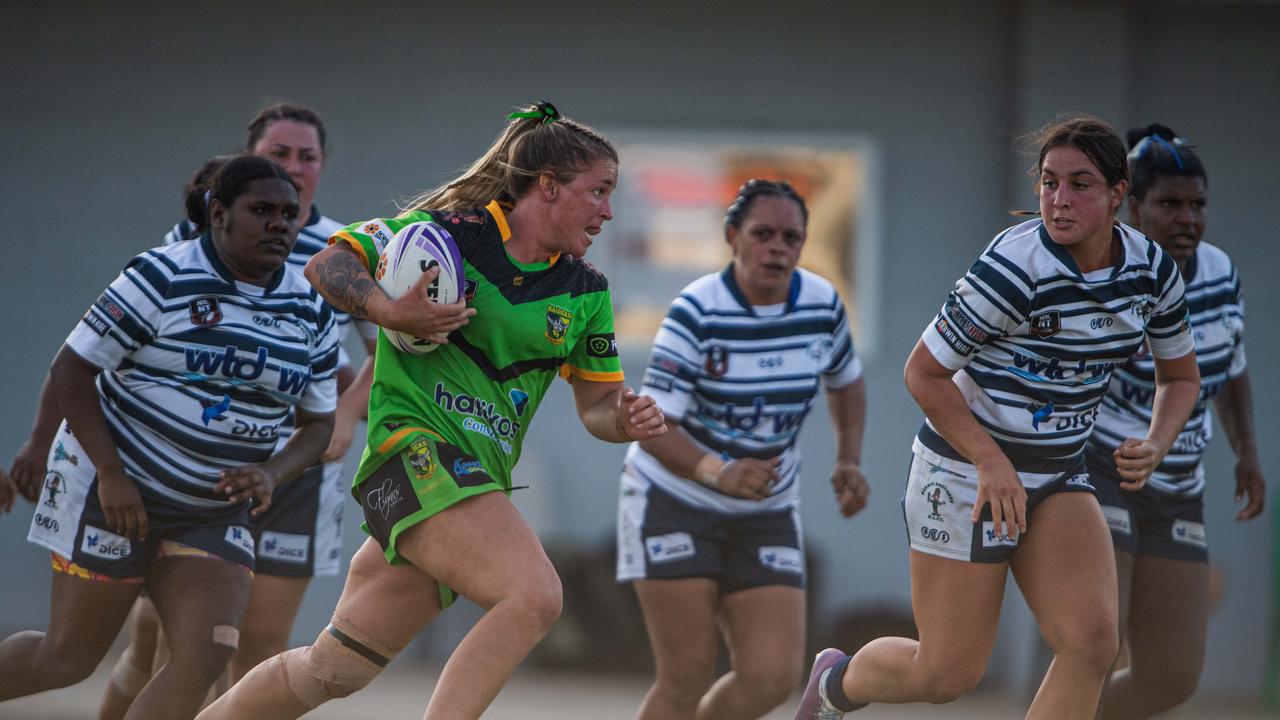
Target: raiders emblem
[
  {"x": 205, "y": 311},
  {"x": 558, "y": 320},
  {"x": 1046, "y": 324},
  {"x": 717, "y": 361}
]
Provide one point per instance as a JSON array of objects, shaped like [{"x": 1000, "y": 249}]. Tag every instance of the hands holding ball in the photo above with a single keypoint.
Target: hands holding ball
[{"x": 421, "y": 270}]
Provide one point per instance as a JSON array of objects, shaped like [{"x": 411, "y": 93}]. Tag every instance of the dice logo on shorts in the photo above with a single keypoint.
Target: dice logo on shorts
[
  {"x": 104, "y": 545},
  {"x": 672, "y": 546}
]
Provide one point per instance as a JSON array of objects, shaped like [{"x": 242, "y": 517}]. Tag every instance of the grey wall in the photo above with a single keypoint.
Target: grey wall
[{"x": 108, "y": 108}]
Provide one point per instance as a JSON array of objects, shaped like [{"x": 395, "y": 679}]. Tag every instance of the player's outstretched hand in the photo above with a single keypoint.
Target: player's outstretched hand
[
  {"x": 748, "y": 477},
  {"x": 248, "y": 481},
  {"x": 417, "y": 314},
  {"x": 29, "y": 468},
  {"x": 851, "y": 488},
  {"x": 639, "y": 417},
  {"x": 122, "y": 504}
]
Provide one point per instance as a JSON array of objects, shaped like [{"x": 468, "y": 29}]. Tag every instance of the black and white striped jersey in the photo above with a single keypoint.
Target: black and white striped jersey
[
  {"x": 199, "y": 371},
  {"x": 1216, "y": 306},
  {"x": 1034, "y": 341},
  {"x": 312, "y": 238},
  {"x": 741, "y": 379}
]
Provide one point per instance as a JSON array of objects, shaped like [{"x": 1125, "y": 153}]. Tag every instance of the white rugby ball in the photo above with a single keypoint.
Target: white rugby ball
[{"x": 416, "y": 248}]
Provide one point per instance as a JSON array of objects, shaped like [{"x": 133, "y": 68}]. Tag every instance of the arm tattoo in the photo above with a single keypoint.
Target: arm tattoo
[{"x": 345, "y": 282}]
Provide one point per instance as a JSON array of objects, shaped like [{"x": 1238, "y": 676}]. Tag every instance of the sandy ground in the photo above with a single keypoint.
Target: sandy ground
[{"x": 401, "y": 694}]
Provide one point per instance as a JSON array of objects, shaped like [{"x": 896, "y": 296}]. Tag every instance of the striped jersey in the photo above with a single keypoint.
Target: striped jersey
[
  {"x": 199, "y": 370},
  {"x": 1216, "y": 306},
  {"x": 312, "y": 238},
  {"x": 1034, "y": 341},
  {"x": 740, "y": 379}
]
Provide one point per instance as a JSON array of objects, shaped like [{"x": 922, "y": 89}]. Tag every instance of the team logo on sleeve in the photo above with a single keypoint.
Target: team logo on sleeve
[
  {"x": 378, "y": 230},
  {"x": 1142, "y": 307},
  {"x": 1046, "y": 324},
  {"x": 469, "y": 292},
  {"x": 602, "y": 346},
  {"x": 205, "y": 311},
  {"x": 717, "y": 363},
  {"x": 420, "y": 458},
  {"x": 558, "y": 320}
]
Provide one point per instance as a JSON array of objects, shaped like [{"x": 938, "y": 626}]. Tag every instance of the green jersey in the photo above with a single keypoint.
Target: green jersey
[{"x": 479, "y": 392}]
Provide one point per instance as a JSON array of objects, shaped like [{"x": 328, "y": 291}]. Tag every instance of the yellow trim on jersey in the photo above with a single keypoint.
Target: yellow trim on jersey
[
  {"x": 590, "y": 375},
  {"x": 404, "y": 432},
  {"x": 500, "y": 216},
  {"x": 348, "y": 238},
  {"x": 495, "y": 209}
]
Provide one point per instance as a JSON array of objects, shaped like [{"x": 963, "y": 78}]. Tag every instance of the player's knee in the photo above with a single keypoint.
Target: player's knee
[
  {"x": 540, "y": 605},
  {"x": 951, "y": 684},
  {"x": 1093, "y": 642},
  {"x": 769, "y": 687},
  {"x": 69, "y": 664},
  {"x": 340, "y": 662}
]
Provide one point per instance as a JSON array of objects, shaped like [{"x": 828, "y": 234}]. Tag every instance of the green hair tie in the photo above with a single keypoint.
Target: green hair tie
[{"x": 544, "y": 110}]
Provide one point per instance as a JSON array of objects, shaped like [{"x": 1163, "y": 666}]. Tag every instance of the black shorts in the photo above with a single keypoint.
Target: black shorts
[
  {"x": 300, "y": 534},
  {"x": 661, "y": 538},
  {"x": 69, "y": 522},
  {"x": 1148, "y": 522}
]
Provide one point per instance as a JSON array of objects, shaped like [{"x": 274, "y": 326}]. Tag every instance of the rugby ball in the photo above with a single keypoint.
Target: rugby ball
[{"x": 416, "y": 248}]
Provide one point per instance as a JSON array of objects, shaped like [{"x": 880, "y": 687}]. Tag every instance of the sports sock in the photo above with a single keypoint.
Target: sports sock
[{"x": 833, "y": 687}]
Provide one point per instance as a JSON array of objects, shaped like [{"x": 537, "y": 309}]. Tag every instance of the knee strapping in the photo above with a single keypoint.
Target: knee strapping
[{"x": 340, "y": 662}]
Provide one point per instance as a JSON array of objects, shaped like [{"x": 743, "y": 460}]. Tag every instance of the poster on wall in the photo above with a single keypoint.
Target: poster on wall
[{"x": 669, "y": 207}]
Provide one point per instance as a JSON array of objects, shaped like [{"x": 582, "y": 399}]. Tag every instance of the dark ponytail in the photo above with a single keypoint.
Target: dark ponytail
[
  {"x": 1156, "y": 151},
  {"x": 195, "y": 196}
]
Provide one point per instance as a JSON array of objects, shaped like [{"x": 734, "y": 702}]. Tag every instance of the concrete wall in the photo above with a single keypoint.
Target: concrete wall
[{"x": 108, "y": 108}]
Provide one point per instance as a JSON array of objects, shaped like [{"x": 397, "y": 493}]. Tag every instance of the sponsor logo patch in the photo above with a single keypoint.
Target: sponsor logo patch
[
  {"x": 1081, "y": 480},
  {"x": 782, "y": 559},
  {"x": 669, "y": 547},
  {"x": 463, "y": 467},
  {"x": 104, "y": 545},
  {"x": 1117, "y": 519},
  {"x": 285, "y": 547},
  {"x": 937, "y": 495},
  {"x": 603, "y": 345},
  {"x": 991, "y": 538},
  {"x": 205, "y": 311},
  {"x": 1189, "y": 533},
  {"x": 1046, "y": 324},
  {"x": 95, "y": 323},
  {"x": 239, "y": 536},
  {"x": 962, "y": 322},
  {"x": 109, "y": 306},
  {"x": 951, "y": 337},
  {"x": 384, "y": 497}
]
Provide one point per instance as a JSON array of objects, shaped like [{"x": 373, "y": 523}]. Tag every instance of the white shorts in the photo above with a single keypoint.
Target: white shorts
[{"x": 938, "y": 506}]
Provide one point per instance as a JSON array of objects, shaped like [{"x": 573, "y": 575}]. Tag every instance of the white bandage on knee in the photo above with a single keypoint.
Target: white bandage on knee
[
  {"x": 226, "y": 635},
  {"x": 129, "y": 678},
  {"x": 340, "y": 662}
]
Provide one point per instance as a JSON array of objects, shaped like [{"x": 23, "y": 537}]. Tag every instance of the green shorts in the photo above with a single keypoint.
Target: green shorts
[{"x": 419, "y": 475}]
